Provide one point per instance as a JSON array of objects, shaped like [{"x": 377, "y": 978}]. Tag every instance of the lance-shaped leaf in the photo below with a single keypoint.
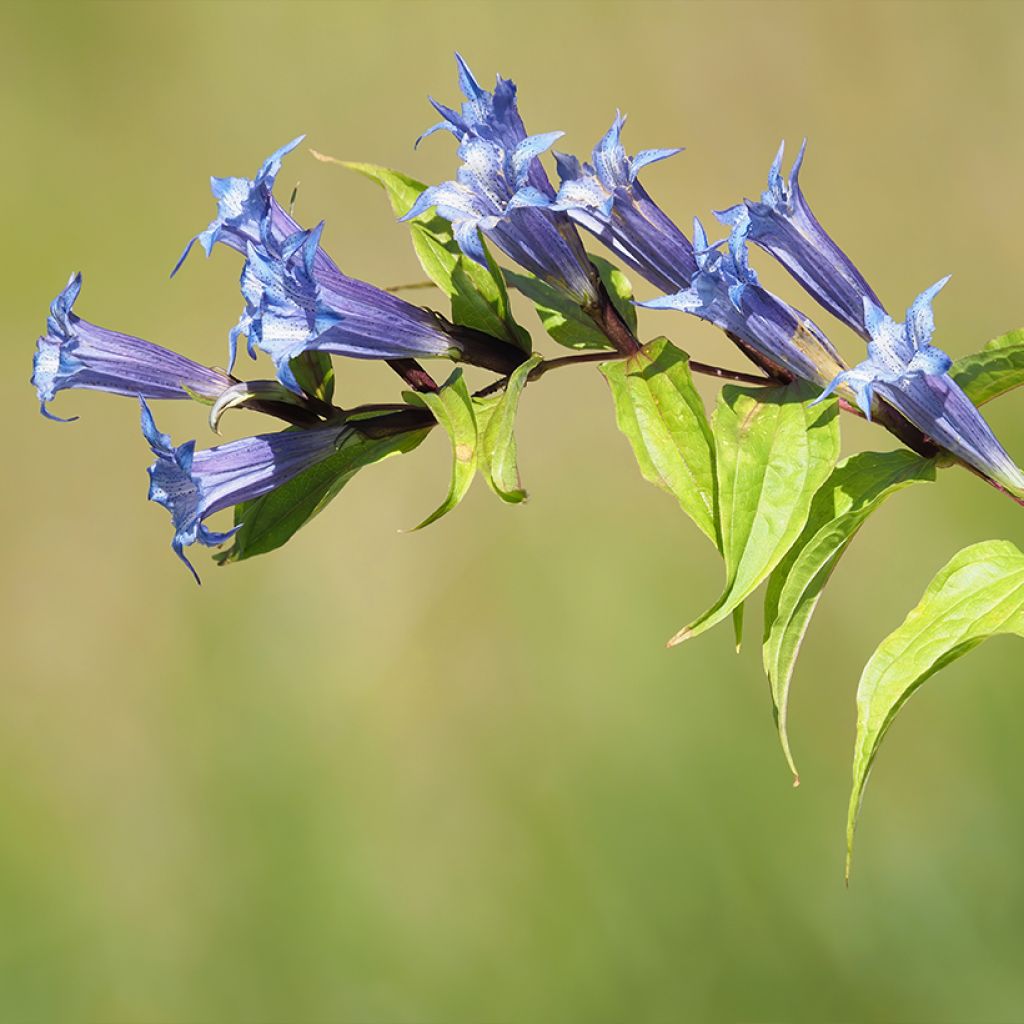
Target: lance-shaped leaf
[
  {"x": 857, "y": 486},
  {"x": 662, "y": 416},
  {"x": 996, "y": 369},
  {"x": 563, "y": 319},
  {"x": 978, "y": 594},
  {"x": 497, "y": 451},
  {"x": 272, "y": 520},
  {"x": 773, "y": 450},
  {"x": 478, "y": 294},
  {"x": 452, "y": 407}
]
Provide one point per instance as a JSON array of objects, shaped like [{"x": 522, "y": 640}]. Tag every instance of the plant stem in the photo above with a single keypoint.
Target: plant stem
[
  {"x": 413, "y": 374},
  {"x": 719, "y": 372},
  {"x": 409, "y": 287}
]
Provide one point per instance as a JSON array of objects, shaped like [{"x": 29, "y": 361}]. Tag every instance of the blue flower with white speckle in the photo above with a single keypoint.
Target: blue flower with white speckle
[
  {"x": 502, "y": 190},
  {"x": 725, "y": 291},
  {"x": 298, "y": 301},
  {"x": 783, "y": 225},
  {"x": 606, "y": 199},
  {"x": 194, "y": 485},
  {"x": 77, "y": 354},
  {"x": 243, "y": 205},
  {"x": 908, "y": 372}
]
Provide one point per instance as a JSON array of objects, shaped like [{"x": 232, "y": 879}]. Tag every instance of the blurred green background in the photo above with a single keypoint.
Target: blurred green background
[{"x": 455, "y": 775}]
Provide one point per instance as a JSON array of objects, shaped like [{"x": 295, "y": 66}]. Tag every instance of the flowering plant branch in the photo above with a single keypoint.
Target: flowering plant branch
[{"x": 760, "y": 478}]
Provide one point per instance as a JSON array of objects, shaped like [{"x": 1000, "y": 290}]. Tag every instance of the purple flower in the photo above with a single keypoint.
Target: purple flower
[
  {"x": 193, "y": 485},
  {"x": 243, "y": 205},
  {"x": 502, "y": 190},
  {"x": 297, "y": 301},
  {"x": 77, "y": 354},
  {"x": 783, "y": 225},
  {"x": 725, "y": 291},
  {"x": 908, "y": 372},
  {"x": 606, "y": 198}
]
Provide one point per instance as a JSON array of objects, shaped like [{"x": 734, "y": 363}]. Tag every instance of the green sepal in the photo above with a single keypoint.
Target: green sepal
[{"x": 314, "y": 373}]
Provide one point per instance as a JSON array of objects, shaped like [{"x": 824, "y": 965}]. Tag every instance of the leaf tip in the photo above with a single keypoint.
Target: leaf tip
[{"x": 680, "y": 637}]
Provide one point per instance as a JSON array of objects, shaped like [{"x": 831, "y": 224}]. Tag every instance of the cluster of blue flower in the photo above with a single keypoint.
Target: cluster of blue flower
[{"x": 297, "y": 301}]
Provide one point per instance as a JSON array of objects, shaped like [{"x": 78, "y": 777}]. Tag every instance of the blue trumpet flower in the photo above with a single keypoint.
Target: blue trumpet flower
[
  {"x": 243, "y": 205},
  {"x": 502, "y": 190},
  {"x": 298, "y": 301},
  {"x": 194, "y": 485},
  {"x": 606, "y": 199},
  {"x": 725, "y": 291},
  {"x": 77, "y": 354},
  {"x": 908, "y": 372},
  {"x": 783, "y": 225}
]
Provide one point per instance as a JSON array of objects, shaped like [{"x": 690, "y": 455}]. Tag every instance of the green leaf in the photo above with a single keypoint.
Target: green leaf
[
  {"x": 996, "y": 369},
  {"x": 270, "y": 521},
  {"x": 857, "y": 486},
  {"x": 662, "y": 416},
  {"x": 478, "y": 294},
  {"x": 314, "y": 372},
  {"x": 498, "y": 452},
  {"x": 480, "y": 300},
  {"x": 563, "y": 319},
  {"x": 978, "y": 594},
  {"x": 773, "y": 450},
  {"x": 452, "y": 407},
  {"x": 402, "y": 190}
]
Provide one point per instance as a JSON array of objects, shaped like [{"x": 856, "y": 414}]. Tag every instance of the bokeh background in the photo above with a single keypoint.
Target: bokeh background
[{"x": 455, "y": 775}]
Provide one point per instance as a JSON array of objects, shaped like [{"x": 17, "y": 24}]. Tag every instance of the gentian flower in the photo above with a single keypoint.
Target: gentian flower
[
  {"x": 908, "y": 372},
  {"x": 193, "y": 485},
  {"x": 491, "y": 116},
  {"x": 606, "y": 198},
  {"x": 297, "y": 301},
  {"x": 243, "y": 205},
  {"x": 903, "y": 368},
  {"x": 783, "y": 225},
  {"x": 725, "y": 291},
  {"x": 502, "y": 190},
  {"x": 77, "y": 354}
]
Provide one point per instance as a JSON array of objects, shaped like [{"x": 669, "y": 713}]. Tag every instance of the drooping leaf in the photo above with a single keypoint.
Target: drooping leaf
[
  {"x": 261, "y": 394},
  {"x": 270, "y": 521},
  {"x": 563, "y": 319},
  {"x": 452, "y": 407},
  {"x": 857, "y": 486},
  {"x": 996, "y": 369},
  {"x": 773, "y": 450},
  {"x": 662, "y": 416},
  {"x": 497, "y": 450},
  {"x": 978, "y": 594},
  {"x": 478, "y": 294}
]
